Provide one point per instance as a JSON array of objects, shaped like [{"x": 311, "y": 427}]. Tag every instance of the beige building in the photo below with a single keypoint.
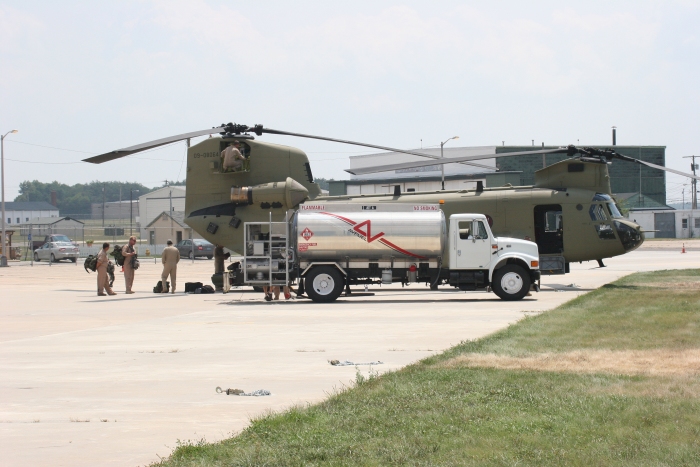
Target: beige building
[{"x": 169, "y": 226}]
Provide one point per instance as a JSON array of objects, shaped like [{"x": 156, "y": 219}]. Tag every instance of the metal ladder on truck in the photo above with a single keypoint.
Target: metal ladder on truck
[{"x": 265, "y": 261}]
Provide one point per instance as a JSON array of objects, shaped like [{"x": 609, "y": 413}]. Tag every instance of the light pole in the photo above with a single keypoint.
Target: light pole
[
  {"x": 2, "y": 169},
  {"x": 131, "y": 210},
  {"x": 442, "y": 166},
  {"x": 694, "y": 184}
]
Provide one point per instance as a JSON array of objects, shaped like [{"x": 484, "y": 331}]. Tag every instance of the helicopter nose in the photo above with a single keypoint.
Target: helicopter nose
[{"x": 630, "y": 234}]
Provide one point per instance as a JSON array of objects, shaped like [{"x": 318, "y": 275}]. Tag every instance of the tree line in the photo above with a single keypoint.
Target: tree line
[{"x": 77, "y": 199}]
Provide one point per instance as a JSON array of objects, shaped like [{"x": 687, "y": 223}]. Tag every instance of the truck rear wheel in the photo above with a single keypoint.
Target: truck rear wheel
[
  {"x": 324, "y": 284},
  {"x": 511, "y": 282}
]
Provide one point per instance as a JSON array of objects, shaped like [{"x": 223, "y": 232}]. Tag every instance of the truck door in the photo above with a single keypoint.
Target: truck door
[
  {"x": 549, "y": 229},
  {"x": 473, "y": 245}
]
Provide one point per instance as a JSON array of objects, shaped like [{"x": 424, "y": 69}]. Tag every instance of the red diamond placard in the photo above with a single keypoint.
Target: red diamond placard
[{"x": 307, "y": 234}]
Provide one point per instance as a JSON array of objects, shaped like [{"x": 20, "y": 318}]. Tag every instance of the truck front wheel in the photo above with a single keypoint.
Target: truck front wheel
[
  {"x": 511, "y": 282},
  {"x": 324, "y": 284}
]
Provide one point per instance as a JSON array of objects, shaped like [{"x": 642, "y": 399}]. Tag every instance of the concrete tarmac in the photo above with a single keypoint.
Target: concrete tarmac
[{"x": 110, "y": 381}]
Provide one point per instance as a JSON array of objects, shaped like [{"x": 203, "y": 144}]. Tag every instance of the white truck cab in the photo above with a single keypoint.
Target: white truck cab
[{"x": 511, "y": 265}]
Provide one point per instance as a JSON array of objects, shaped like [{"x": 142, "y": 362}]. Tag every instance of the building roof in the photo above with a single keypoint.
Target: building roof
[
  {"x": 50, "y": 220},
  {"x": 636, "y": 201},
  {"x": 29, "y": 206},
  {"x": 177, "y": 216}
]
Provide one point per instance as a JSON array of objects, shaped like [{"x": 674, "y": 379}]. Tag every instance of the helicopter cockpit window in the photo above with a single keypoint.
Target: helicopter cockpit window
[
  {"x": 605, "y": 232},
  {"x": 235, "y": 156},
  {"x": 613, "y": 210},
  {"x": 597, "y": 213},
  {"x": 481, "y": 233}
]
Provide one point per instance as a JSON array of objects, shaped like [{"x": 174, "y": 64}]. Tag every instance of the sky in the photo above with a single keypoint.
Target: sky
[{"x": 79, "y": 78}]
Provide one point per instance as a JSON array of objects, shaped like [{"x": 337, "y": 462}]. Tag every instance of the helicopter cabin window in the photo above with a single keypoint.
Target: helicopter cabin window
[
  {"x": 234, "y": 157},
  {"x": 597, "y": 213}
]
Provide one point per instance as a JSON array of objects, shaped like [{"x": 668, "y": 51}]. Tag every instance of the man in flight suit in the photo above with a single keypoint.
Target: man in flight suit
[
  {"x": 102, "y": 278},
  {"x": 233, "y": 159},
  {"x": 129, "y": 255},
  {"x": 170, "y": 257}
]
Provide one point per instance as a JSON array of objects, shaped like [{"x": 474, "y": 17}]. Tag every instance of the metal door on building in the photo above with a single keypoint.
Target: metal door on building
[{"x": 665, "y": 224}]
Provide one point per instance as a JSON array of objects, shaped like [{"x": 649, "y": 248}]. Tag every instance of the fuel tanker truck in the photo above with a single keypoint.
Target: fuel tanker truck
[{"x": 326, "y": 248}]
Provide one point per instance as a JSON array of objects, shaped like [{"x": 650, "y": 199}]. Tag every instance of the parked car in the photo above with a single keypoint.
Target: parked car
[
  {"x": 52, "y": 238},
  {"x": 56, "y": 251},
  {"x": 201, "y": 248}
]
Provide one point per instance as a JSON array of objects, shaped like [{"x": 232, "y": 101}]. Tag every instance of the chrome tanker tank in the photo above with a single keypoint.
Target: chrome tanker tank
[{"x": 338, "y": 232}]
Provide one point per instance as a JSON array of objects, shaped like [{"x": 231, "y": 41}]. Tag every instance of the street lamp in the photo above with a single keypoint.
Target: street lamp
[
  {"x": 131, "y": 210},
  {"x": 2, "y": 169},
  {"x": 442, "y": 166}
]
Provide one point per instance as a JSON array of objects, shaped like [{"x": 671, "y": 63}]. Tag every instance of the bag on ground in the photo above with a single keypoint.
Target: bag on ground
[
  {"x": 159, "y": 287},
  {"x": 190, "y": 287}
]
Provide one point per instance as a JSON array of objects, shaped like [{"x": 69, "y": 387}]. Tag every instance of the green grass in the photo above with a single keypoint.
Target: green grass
[{"x": 434, "y": 414}]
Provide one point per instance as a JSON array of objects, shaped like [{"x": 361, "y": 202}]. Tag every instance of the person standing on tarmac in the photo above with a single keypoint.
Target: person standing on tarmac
[
  {"x": 102, "y": 277},
  {"x": 170, "y": 257},
  {"x": 129, "y": 255}
]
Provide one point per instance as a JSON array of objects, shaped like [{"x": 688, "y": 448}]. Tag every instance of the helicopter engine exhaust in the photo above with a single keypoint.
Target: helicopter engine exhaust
[{"x": 287, "y": 194}]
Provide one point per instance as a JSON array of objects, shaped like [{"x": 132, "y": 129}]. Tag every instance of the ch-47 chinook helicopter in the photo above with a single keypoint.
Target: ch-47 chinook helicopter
[{"x": 569, "y": 211}]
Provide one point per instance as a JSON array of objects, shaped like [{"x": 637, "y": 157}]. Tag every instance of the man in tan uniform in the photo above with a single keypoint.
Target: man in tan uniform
[
  {"x": 129, "y": 254},
  {"x": 102, "y": 278},
  {"x": 170, "y": 257},
  {"x": 233, "y": 159}
]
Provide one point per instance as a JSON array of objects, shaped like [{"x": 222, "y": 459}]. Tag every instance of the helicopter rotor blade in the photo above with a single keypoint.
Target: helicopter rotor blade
[
  {"x": 653, "y": 166},
  {"x": 119, "y": 153},
  {"x": 259, "y": 129},
  {"x": 452, "y": 160}
]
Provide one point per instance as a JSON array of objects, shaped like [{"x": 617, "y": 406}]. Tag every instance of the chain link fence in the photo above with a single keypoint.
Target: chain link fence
[{"x": 90, "y": 236}]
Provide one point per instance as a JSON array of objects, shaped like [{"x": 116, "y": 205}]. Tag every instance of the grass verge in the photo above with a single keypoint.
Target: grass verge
[{"x": 584, "y": 384}]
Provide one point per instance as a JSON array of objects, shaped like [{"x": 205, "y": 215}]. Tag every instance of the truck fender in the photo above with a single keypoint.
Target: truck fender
[
  {"x": 324, "y": 263},
  {"x": 510, "y": 259}
]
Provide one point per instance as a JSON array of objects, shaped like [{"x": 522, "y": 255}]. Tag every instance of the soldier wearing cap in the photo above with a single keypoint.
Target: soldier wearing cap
[
  {"x": 102, "y": 277},
  {"x": 170, "y": 257},
  {"x": 233, "y": 159}
]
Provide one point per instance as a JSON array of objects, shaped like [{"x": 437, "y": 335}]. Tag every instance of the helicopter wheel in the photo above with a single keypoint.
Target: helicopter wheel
[{"x": 511, "y": 282}]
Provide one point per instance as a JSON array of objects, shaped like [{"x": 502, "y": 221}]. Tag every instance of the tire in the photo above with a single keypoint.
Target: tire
[
  {"x": 36, "y": 257},
  {"x": 209, "y": 257},
  {"x": 324, "y": 284},
  {"x": 74, "y": 260},
  {"x": 53, "y": 258},
  {"x": 511, "y": 282},
  {"x": 191, "y": 255}
]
